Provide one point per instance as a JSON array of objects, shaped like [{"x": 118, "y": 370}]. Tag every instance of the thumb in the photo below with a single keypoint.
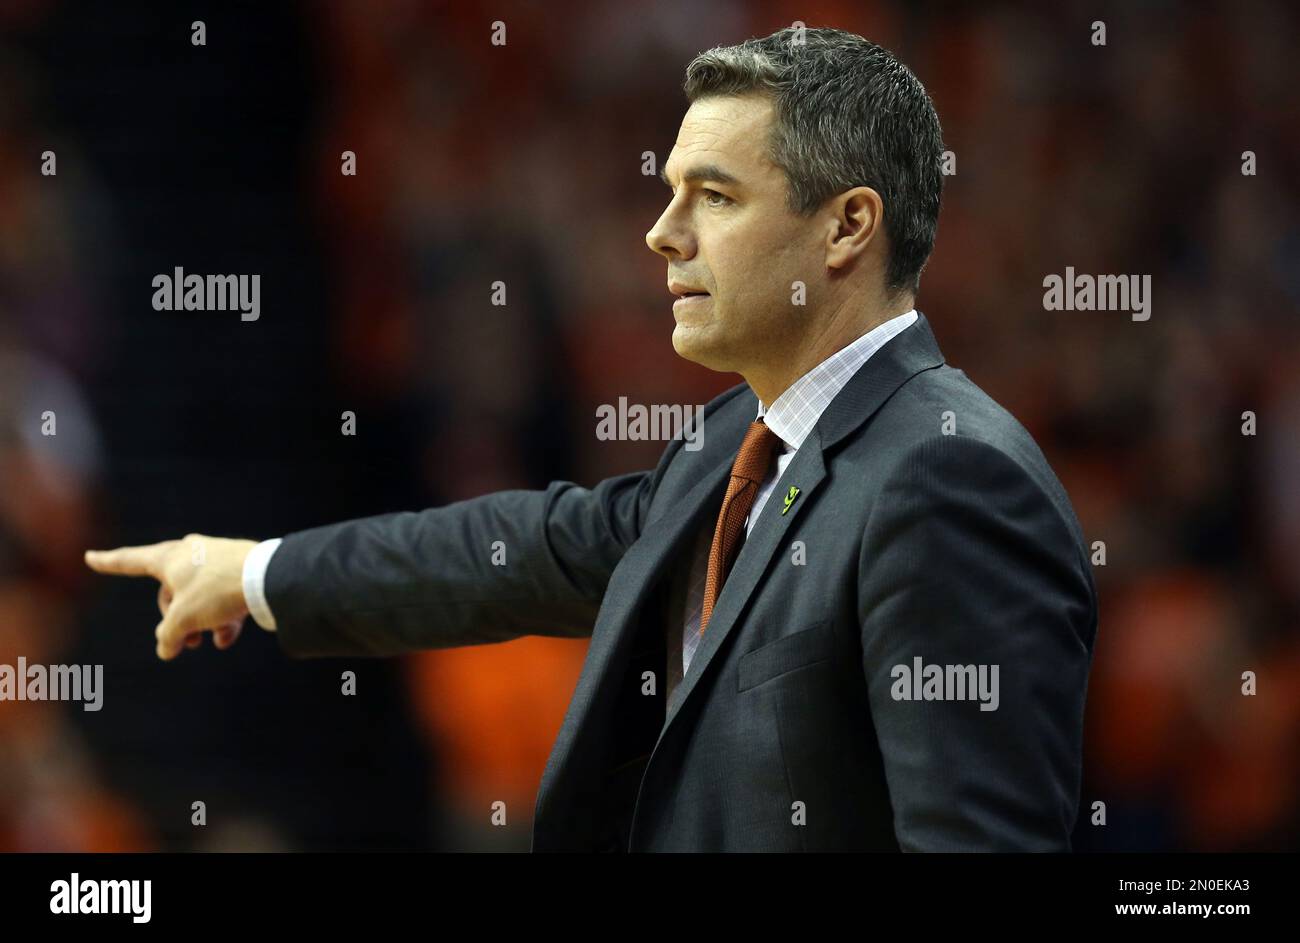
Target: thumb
[{"x": 179, "y": 622}]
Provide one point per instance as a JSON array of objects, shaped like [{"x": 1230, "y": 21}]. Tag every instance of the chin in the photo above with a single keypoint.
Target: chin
[
  {"x": 695, "y": 344},
  {"x": 686, "y": 341}
]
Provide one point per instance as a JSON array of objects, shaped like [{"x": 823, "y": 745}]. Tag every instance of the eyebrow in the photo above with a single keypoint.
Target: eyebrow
[{"x": 705, "y": 172}]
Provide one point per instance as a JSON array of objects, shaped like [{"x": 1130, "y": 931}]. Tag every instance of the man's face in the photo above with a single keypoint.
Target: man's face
[{"x": 727, "y": 232}]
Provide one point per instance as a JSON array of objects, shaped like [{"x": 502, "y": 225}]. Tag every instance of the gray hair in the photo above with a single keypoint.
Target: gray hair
[{"x": 847, "y": 114}]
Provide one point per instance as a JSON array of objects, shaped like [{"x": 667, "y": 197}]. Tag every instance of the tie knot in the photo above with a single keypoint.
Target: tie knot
[{"x": 755, "y": 455}]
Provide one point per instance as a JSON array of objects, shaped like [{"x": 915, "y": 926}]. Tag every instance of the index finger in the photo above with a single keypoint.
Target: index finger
[{"x": 128, "y": 561}]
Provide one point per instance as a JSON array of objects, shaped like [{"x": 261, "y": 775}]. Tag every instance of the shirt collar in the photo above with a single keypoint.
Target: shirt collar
[{"x": 796, "y": 411}]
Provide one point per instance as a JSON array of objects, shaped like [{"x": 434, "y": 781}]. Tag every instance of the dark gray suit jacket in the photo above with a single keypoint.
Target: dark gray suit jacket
[{"x": 906, "y": 540}]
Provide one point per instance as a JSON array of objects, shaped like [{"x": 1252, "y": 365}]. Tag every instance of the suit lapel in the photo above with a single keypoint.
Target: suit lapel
[
  {"x": 806, "y": 472},
  {"x": 662, "y": 542}
]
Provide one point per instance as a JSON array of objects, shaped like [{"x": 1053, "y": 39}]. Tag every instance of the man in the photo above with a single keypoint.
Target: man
[{"x": 861, "y": 616}]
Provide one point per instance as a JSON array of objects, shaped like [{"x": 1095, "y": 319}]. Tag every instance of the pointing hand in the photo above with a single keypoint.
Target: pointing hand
[{"x": 201, "y": 587}]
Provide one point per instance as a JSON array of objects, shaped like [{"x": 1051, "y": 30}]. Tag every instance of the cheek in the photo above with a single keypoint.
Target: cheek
[
  {"x": 749, "y": 261},
  {"x": 765, "y": 265}
]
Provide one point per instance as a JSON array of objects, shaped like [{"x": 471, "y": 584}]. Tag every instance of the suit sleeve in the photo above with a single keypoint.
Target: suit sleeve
[
  {"x": 967, "y": 561},
  {"x": 488, "y": 569}
]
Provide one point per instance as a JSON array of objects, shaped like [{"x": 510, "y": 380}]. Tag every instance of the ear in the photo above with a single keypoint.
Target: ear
[{"x": 857, "y": 217}]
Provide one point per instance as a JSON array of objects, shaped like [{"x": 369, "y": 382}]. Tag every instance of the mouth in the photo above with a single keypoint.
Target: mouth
[
  {"x": 683, "y": 291},
  {"x": 690, "y": 299}
]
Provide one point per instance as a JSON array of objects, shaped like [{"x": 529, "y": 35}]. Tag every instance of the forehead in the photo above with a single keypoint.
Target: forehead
[{"x": 731, "y": 131}]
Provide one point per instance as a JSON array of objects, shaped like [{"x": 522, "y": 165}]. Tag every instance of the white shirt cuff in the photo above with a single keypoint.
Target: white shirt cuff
[{"x": 255, "y": 564}]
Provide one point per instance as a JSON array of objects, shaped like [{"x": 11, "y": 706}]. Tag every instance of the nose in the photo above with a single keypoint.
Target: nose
[{"x": 669, "y": 236}]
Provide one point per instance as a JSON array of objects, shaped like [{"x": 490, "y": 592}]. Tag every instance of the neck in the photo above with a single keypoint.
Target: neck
[{"x": 832, "y": 333}]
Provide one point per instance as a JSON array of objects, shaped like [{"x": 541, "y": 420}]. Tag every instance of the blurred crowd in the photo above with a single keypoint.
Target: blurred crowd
[{"x": 522, "y": 163}]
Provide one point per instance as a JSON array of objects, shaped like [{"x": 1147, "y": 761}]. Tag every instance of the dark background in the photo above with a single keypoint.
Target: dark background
[{"x": 522, "y": 163}]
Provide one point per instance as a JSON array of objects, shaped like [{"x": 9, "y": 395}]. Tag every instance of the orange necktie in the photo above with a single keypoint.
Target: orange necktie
[{"x": 747, "y": 474}]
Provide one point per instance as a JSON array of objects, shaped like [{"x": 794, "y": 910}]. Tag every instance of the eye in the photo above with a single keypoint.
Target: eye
[{"x": 722, "y": 200}]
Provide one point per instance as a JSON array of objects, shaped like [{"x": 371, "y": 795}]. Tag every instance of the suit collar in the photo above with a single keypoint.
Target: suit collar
[
  {"x": 794, "y": 413},
  {"x": 913, "y": 350}
]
